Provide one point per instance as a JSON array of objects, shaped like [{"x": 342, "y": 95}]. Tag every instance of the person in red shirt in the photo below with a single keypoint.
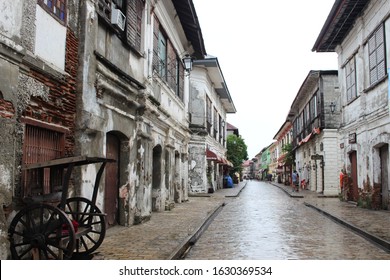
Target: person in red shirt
[{"x": 343, "y": 187}]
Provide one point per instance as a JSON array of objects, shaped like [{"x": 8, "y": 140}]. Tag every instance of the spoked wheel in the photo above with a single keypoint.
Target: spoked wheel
[
  {"x": 41, "y": 231},
  {"x": 91, "y": 225}
]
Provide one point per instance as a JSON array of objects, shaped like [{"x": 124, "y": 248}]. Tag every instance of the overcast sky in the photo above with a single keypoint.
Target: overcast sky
[{"x": 264, "y": 50}]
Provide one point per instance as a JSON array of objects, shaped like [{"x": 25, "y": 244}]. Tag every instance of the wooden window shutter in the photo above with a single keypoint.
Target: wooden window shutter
[
  {"x": 172, "y": 66},
  {"x": 134, "y": 23},
  {"x": 181, "y": 81},
  {"x": 156, "y": 29}
]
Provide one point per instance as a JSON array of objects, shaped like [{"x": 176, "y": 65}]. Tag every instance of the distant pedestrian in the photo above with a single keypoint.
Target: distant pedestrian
[
  {"x": 295, "y": 180},
  {"x": 343, "y": 185},
  {"x": 229, "y": 181}
]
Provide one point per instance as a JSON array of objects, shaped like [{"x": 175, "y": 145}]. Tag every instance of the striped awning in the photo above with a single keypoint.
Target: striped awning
[{"x": 210, "y": 155}]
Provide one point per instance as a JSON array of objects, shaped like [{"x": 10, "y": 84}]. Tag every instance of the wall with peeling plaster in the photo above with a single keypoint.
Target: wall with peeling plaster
[
  {"x": 31, "y": 82},
  {"x": 367, "y": 116}
]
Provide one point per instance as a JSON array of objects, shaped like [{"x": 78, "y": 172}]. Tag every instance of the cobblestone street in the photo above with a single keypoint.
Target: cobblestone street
[{"x": 168, "y": 234}]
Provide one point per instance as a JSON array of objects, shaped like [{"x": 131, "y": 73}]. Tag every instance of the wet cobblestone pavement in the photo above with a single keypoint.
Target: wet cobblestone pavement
[
  {"x": 169, "y": 233},
  {"x": 264, "y": 223}
]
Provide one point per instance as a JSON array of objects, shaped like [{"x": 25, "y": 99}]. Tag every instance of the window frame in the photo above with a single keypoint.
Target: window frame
[
  {"x": 376, "y": 45},
  {"x": 53, "y": 9},
  {"x": 162, "y": 55},
  {"x": 215, "y": 123},
  {"x": 208, "y": 114},
  {"x": 167, "y": 64},
  {"x": 313, "y": 107},
  {"x": 350, "y": 80},
  {"x": 41, "y": 142}
]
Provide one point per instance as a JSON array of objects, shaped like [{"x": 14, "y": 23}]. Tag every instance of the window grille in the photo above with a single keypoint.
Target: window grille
[{"x": 41, "y": 144}]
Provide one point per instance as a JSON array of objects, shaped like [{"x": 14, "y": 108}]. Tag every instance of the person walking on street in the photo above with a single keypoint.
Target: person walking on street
[
  {"x": 343, "y": 185},
  {"x": 295, "y": 179}
]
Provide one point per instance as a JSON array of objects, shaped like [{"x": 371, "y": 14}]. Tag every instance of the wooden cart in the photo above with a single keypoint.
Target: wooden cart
[{"x": 53, "y": 225}]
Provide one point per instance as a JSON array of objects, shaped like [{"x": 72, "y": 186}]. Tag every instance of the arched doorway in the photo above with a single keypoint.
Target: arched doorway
[
  {"x": 112, "y": 180},
  {"x": 354, "y": 192},
  {"x": 156, "y": 178},
  {"x": 177, "y": 179},
  {"x": 384, "y": 168}
]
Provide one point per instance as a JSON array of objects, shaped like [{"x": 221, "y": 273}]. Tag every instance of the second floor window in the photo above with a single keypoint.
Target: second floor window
[
  {"x": 132, "y": 10},
  {"x": 313, "y": 107},
  {"x": 215, "y": 123},
  {"x": 376, "y": 53},
  {"x": 208, "y": 115},
  {"x": 134, "y": 23},
  {"x": 162, "y": 55},
  {"x": 55, "y": 7},
  {"x": 166, "y": 62},
  {"x": 350, "y": 76}
]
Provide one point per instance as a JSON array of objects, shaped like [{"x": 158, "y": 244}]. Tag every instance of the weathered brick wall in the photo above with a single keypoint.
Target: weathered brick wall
[
  {"x": 58, "y": 107},
  {"x": 7, "y": 110}
]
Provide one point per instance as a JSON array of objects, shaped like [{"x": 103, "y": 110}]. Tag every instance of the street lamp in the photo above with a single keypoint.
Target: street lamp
[
  {"x": 187, "y": 61},
  {"x": 332, "y": 107}
]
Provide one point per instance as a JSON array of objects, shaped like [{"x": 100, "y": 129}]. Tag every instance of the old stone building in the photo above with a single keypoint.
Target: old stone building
[
  {"x": 315, "y": 122},
  {"x": 133, "y": 102},
  {"x": 101, "y": 78},
  {"x": 284, "y": 167},
  {"x": 359, "y": 31},
  {"x": 209, "y": 103},
  {"x": 38, "y": 72}
]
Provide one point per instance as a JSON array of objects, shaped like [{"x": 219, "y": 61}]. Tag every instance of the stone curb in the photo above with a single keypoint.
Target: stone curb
[
  {"x": 384, "y": 244},
  {"x": 237, "y": 194},
  {"x": 371, "y": 237},
  {"x": 178, "y": 253},
  {"x": 295, "y": 195}
]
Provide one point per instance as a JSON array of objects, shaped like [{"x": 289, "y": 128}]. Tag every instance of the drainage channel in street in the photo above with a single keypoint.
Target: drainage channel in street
[{"x": 186, "y": 247}]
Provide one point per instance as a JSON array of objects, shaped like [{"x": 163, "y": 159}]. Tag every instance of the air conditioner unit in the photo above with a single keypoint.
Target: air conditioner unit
[{"x": 118, "y": 19}]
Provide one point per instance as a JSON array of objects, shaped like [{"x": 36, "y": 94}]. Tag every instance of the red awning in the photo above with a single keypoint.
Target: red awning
[
  {"x": 311, "y": 135},
  {"x": 210, "y": 155},
  {"x": 307, "y": 138},
  {"x": 316, "y": 130}
]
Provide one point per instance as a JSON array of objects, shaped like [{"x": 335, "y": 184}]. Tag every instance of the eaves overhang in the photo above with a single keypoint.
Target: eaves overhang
[
  {"x": 283, "y": 129},
  {"x": 340, "y": 21},
  {"x": 215, "y": 74},
  {"x": 189, "y": 20},
  {"x": 311, "y": 81}
]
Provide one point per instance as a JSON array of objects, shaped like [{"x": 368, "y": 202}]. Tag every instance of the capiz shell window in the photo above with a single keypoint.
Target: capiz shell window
[
  {"x": 376, "y": 52},
  {"x": 55, "y": 7}
]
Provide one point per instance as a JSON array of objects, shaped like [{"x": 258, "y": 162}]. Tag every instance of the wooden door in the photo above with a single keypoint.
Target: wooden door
[
  {"x": 354, "y": 193},
  {"x": 112, "y": 181},
  {"x": 384, "y": 158}
]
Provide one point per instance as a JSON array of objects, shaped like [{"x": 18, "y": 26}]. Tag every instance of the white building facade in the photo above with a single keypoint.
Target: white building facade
[
  {"x": 100, "y": 78},
  {"x": 133, "y": 105},
  {"x": 209, "y": 103},
  {"x": 315, "y": 122},
  {"x": 362, "y": 45}
]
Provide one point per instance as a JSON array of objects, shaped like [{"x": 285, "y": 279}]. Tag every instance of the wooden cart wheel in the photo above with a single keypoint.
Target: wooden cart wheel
[
  {"x": 90, "y": 220},
  {"x": 41, "y": 231}
]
